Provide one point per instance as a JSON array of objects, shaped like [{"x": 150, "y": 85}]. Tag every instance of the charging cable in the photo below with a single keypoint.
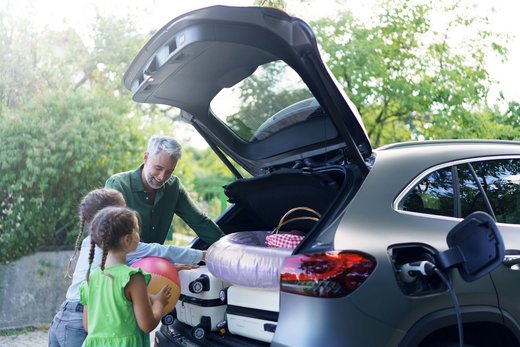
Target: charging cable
[
  {"x": 455, "y": 302},
  {"x": 409, "y": 273}
]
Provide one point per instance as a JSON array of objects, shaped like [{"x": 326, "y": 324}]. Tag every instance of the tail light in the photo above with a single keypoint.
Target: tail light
[{"x": 326, "y": 275}]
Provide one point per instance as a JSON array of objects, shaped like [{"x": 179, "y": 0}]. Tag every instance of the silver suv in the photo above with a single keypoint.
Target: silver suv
[{"x": 375, "y": 269}]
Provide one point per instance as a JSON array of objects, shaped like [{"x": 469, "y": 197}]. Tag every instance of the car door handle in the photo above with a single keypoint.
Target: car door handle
[{"x": 512, "y": 259}]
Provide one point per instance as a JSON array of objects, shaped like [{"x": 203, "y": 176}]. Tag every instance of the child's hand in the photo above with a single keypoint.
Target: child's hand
[{"x": 162, "y": 296}]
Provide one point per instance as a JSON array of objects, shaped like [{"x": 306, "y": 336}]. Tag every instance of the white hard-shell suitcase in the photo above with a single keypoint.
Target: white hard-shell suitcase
[
  {"x": 253, "y": 312},
  {"x": 201, "y": 304}
]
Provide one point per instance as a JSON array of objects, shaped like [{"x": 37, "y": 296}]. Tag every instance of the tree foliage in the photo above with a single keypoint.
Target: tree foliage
[
  {"x": 55, "y": 150},
  {"x": 21, "y": 80},
  {"x": 66, "y": 125},
  {"x": 407, "y": 77},
  {"x": 116, "y": 41},
  {"x": 261, "y": 96},
  {"x": 282, "y": 4}
]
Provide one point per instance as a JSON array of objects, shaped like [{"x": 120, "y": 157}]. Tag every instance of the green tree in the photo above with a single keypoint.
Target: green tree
[
  {"x": 21, "y": 79},
  {"x": 502, "y": 124},
  {"x": 66, "y": 124},
  {"x": 281, "y": 4},
  {"x": 406, "y": 77},
  {"x": 262, "y": 95},
  {"x": 115, "y": 43},
  {"x": 211, "y": 176},
  {"x": 55, "y": 150}
]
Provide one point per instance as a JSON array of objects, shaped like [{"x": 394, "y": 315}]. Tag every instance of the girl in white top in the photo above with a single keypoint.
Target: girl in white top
[{"x": 66, "y": 329}]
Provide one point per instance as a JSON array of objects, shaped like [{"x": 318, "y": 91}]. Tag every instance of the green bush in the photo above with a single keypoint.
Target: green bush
[{"x": 54, "y": 151}]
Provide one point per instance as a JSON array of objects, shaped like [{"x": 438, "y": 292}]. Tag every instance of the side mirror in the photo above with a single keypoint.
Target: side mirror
[{"x": 476, "y": 247}]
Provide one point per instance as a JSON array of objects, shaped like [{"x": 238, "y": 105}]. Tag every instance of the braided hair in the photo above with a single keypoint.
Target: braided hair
[
  {"x": 88, "y": 207},
  {"x": 107, "y": 228}
]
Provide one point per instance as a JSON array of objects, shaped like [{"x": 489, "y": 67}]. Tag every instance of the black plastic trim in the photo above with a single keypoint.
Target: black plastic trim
[
  {"x": 445, "y": 318},
  {"x": 253, "y": 313},
  {"x": 200, "y": 302}
]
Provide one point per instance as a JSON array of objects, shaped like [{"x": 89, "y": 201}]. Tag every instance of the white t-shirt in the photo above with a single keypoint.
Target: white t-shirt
[{"x": 179, "y": 255}]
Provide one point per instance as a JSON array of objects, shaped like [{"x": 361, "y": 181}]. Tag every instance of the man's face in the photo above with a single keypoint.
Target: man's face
[{"x": 158, "y": 169}]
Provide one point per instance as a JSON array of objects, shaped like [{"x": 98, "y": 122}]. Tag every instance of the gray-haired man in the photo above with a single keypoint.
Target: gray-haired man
[{"x": 157, "y": 195}]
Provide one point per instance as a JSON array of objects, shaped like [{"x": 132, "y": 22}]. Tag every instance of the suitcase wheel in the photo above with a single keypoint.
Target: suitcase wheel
[
  {"x": 198, "y": 332},
  {"x": 223, "y": 295},
  {"x": 222, "y": 327},
  {"x": 168, "y": 318}
]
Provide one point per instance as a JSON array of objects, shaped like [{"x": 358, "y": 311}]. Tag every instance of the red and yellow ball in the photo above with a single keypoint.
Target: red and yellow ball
[{"x": 163, "y": 273}]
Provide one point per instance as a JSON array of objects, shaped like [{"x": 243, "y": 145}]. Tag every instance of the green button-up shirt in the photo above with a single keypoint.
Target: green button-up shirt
[{"x": 170, "y": 199}]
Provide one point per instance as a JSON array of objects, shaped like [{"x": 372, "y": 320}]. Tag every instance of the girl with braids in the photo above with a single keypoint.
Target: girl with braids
[
  {"x": 66, "y": 329},
  {"x": 118, "y": 310}
]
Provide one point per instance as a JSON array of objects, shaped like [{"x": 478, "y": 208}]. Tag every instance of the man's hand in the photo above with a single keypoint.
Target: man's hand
[
  {"x": 186, "y": 266},
  {"x": 190, "y": 266}
]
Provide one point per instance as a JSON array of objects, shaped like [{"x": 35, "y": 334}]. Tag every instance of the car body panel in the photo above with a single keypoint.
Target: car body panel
[{"x": 362, "y": 229}]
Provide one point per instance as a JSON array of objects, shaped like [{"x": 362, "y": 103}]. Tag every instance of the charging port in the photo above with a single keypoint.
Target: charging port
[{"x": 414, "y": 284}]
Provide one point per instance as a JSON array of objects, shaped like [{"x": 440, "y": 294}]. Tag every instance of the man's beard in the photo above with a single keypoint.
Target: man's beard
[{"x": 149, "y": 180}]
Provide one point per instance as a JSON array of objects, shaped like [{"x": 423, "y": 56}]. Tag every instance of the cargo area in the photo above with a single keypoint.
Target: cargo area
[{"x": 214, "y": 312}]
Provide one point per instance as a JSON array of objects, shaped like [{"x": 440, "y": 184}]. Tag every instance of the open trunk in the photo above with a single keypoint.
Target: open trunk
[{"x": 258, "y": 204}]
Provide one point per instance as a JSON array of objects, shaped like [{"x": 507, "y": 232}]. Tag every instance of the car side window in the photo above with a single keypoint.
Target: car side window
[
  {"x": 500, "y": 179},
  {"x": 471, "y": 197},
  {"x": 433, "y": 195}
]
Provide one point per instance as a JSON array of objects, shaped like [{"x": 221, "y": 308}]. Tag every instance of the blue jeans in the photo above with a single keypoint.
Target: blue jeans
[{"x": 66, "y": 329}]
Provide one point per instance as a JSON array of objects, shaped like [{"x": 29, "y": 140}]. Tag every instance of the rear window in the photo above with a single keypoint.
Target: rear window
[{"x": 271, "y": 99}]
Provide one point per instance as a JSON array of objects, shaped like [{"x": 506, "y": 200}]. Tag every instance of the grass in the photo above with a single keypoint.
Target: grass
[{"x": 24, "y": 330}]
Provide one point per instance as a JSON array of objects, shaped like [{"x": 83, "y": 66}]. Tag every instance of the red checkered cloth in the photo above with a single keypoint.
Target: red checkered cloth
[
  {"x": 284, "y": 240},
  {"x": 290, "y": 239}
]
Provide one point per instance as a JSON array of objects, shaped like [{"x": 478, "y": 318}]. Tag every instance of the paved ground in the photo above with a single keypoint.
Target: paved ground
[{"x": 36, "y": 338}]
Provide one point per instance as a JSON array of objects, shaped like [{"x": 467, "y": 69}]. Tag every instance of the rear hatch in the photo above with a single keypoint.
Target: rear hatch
[{"x": 252, "y": 82}]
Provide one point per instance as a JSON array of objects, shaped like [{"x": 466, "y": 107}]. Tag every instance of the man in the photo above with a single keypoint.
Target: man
[{"x": 157, "y": 195}]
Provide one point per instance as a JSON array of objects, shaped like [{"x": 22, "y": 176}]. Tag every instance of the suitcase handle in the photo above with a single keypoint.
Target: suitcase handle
[
  {"x": 199, "y": 285},
  {"x": 269, "y": 327}
]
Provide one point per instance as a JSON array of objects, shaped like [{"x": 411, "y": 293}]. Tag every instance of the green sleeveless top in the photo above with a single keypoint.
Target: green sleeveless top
[{"x": 111, "y": 318}]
